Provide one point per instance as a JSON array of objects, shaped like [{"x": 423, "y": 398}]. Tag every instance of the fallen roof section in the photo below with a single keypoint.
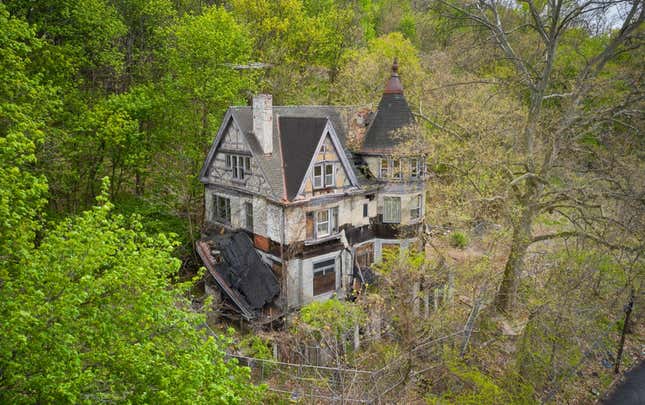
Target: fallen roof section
[{"x": 239, "y": 271}]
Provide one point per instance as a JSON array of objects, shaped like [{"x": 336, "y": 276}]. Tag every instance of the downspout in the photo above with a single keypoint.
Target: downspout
[{"x": 285, "y": 277}]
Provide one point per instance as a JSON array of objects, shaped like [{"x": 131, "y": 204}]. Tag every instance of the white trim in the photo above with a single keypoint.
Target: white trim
[{"x": 329, "y": 130}]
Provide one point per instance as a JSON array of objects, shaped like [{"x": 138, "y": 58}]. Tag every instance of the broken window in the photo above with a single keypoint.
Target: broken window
[
  {"x": 326, "y": 180},
  {"x": 324, "y": 276},
  {"x": 392, "y": 210},
  {"x": 222, "y": 209},
  {"x": 248, "y": 213},
  {"x": 415, "y": 168},
  {"x": 326, "y": 222},
  {"x": 239, "y": 165},
  {"x": 396, "y": 168},
  {"x": 384, "y": 170},
  {"x": 415, "y": 207}
]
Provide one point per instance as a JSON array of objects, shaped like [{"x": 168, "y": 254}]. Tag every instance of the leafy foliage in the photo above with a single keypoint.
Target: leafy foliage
[{"x": 92, "y": 317}]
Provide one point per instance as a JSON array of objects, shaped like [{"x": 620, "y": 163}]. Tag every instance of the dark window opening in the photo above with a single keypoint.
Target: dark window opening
[{"x": 222, "y": 209}]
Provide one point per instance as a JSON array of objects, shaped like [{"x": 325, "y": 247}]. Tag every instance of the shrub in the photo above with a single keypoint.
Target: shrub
[{"x": 459, "y": 240}]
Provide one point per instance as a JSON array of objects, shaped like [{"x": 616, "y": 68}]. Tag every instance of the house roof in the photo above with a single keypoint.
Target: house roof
[
  {"x": 392, "y": 115},
  {"x": 299, "y": 138},
  {"x": 239, "y": 271},
  {"x": 296, "y": 130},
  {"x": 280, "y": 180}
]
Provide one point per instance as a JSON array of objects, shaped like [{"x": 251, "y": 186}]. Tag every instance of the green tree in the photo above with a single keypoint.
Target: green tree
[
  {"x": 92, "y": 316},
  {"x": 25, "y": 105}
]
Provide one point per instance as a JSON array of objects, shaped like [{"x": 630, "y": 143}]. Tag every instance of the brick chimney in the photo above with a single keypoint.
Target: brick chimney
[{"x": 263, "y": 121}]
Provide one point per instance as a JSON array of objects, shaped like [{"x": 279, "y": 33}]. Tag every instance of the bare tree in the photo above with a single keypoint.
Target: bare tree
[{"x": 557, "y": 118}]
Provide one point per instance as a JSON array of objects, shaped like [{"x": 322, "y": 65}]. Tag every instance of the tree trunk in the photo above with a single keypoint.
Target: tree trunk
[{"x": 505, "y": 298}]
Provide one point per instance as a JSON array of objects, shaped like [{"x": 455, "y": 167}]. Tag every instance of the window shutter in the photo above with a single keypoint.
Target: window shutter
[{"x": 309, "y": 226}]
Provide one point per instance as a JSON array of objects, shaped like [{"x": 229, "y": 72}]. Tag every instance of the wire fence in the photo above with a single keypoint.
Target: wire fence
[{"x": 339, "y": 384}]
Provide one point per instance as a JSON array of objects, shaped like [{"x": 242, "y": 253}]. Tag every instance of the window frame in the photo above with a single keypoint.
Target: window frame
[
  {"x": 239, "y": 165},
  {"x": 384, "y": 168},
  {"x": 248, "y": 215},
  {"x": 365, "y": 210},
  {"x": 396, "y": 169},
  {"x": 321, "y": 180},
  {"x": 418, "y": 199},
  {"x": 221, "y": 205},
  {"x": 320, "y": 269},
  {"x": 415, "y": 168},
  {"x": 331, "y": 222},
  {"x": 388, "y": 212}
]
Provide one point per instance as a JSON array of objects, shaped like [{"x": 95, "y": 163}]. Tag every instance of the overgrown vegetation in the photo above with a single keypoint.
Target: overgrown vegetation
[{"x": 532, "y": 112}]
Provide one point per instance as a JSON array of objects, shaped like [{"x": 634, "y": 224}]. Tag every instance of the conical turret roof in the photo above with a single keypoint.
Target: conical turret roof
[{"x": 392, "y": 115}]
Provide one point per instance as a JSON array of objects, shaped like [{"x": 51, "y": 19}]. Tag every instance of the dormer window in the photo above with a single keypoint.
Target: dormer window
[{"x": 323, "y": 175}]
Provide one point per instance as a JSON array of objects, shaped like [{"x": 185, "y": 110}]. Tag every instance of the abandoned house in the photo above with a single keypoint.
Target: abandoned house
[{"x": 300, "y": 201}]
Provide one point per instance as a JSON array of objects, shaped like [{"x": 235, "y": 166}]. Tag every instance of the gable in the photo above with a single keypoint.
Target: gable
[
  {"x": 327, "y": 154},
  {"x": 299, "y": 139},
  {"x": 231, "y": 146}
]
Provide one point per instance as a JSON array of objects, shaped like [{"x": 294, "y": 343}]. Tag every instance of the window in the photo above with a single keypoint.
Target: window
[
  {"x": 329, "y": 175},
  {"x": 365, "y": 206},
  {"x": 248, "y": 213},
  {"x": 384, "y": 171},
  {"x": 222, "y": 209},
  {"x": 326, "y": 222},
  {"x": 324, "y": 276},
  {"x": 327, "y": 180},
  {"x": 415, "y": 168},
  {"x": 239, "y": 165},
  {"x": 396, "y": 168},
  {"x": 415, "y": 207},
  {"x": 392, "y": 210}
]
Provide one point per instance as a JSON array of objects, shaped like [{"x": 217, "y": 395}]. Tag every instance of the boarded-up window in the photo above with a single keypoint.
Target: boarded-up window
[
  {"x": 324, "y": 276},
  {"x": 365, "y": 255}
]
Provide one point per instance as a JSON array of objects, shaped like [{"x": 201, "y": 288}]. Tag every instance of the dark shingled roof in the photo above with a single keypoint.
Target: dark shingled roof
[
  {"x": 393, "y": 113},
  {"x": 299, "y": 137},
  {"x": 271, "y": 165},
  {"x": 243, "y": 269}
]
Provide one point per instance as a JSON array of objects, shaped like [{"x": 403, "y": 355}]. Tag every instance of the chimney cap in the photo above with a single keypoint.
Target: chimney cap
[{"x": 394, "y": 85}]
